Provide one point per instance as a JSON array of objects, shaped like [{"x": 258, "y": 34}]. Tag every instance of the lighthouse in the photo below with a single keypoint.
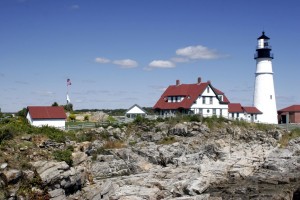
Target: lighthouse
[{"x": 264, "y": 92}]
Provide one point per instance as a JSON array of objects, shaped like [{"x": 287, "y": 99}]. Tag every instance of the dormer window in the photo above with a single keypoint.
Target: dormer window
[{"x": 221, "y": 97}]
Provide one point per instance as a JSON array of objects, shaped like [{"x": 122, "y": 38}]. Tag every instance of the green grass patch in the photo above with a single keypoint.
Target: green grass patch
[{"x": 63, "y": 155}]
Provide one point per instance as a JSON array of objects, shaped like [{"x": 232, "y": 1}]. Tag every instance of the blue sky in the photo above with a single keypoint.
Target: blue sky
[{"x": 121, "y": 52}]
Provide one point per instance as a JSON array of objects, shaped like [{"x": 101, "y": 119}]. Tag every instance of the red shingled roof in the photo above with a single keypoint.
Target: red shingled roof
[
  {"x": 293, "y": 108},
  {"x": 238, "y": 108},
  {"x": 235, "y": 108},
  {"x": 190, "y": 92},
  {"x": 252, "y": 110},
  {"x": 47, "y": 112}
]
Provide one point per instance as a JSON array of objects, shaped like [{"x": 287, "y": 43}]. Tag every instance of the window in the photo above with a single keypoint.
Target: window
[
  {"x": 232, "y": 115},
  {"x": 207, "y": 110},
  {"x": 237, "y": 115},
  {"x": 207, "y": 89},
  {"x": 200, "y": 111},
  {"x": 203, "y": 100},
  {"x": 221, "y": 97},
  {"x": 255, "y": 117},
  {"x": 221, "y": 114},
  {"x": 211, "y": 100},
  {"x": 214, "y": 111},
  {"x": 270, "y": 96}
]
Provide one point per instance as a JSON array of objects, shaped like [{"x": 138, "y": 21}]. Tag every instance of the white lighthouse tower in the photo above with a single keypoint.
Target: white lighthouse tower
[{"x": 264, "y": 92}]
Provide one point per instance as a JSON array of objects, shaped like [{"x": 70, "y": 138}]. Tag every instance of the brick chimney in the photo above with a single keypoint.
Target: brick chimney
[
  {"x": 177, "y": 82},
  {"x": 199, "y": 80}
]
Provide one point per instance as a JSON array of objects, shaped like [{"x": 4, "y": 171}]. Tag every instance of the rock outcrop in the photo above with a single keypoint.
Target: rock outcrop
[{"x": 184, "y": 161}]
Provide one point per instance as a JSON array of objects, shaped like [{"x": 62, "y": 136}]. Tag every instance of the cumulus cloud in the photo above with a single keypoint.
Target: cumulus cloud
[
  {"x": 126, "y": 63},
  {"x": 197, "y": 52},
  {"x": 101, "y": 60},
  {"x": 161, "y": 64}
]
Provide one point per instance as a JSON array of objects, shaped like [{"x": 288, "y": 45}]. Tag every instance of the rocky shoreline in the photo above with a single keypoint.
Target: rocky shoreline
[{"x": 184, "y": 161}]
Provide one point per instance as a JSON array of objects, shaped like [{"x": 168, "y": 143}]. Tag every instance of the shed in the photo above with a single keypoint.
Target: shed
[{"x": 54, "y": 116}]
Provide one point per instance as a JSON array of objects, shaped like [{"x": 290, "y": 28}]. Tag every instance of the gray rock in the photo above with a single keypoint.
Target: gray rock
[
  {"x": 3, "y": 166},
  {"x": 13, "y": 175},
  {"x": 57, "y": 194}
]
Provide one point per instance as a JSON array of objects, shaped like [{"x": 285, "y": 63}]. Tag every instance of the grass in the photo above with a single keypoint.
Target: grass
[
  {"x": 289, "y": 136},
  {"x": 117, "y": 144},
  {"x": 214, "y": 121},
  {"x": 63, "y": 155},
  {"x": 168, "y": 140}
]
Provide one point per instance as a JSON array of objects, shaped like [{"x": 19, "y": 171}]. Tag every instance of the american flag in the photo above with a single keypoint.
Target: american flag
[{"x": 68, "y": 82}]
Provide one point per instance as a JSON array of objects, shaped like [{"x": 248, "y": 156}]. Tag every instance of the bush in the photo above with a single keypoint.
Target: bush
[
  {"x": 72, "y": 117},
  {"x": 5, "y": 135}
]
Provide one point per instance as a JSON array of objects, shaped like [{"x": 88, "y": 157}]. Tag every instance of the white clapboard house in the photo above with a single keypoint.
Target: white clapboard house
[{"x": 197, "y": 98}]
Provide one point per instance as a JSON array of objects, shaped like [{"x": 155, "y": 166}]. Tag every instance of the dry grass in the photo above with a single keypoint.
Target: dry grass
[{"x": 117, "y": 144}]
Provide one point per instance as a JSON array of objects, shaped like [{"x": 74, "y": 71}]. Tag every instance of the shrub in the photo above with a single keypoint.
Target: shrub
[
  {"x": 72, "y": 117},
  {"x": 5, "y": 135},
  {"x": 86, "y": 118}
]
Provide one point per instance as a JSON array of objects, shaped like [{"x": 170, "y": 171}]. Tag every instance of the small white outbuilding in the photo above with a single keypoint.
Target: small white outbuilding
[
  {"x": 135, "y": 111},
  {"x": 54, "y": 116}
]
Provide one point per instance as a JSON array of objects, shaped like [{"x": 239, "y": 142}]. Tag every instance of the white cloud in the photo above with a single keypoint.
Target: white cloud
[
  {"x": 101, "y": 60},
  {"x": 126, "y": 63},
  {"x": 180, "y": 59},
  {"x": 161, "y": 64},
  {"x": 197, "y": 52}
]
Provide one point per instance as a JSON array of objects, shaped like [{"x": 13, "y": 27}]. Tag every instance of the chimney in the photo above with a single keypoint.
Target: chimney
[
  {"x": 199, "y": 80},
  {"x": 209, "y": 82},
  {"x": 177, "y": 82}
]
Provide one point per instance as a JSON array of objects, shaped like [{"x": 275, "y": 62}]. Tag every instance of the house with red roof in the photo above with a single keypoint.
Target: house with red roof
[
  {"x": 238, "y": 112},
  {"x": 46, "y": 116},
  {"x": 289, "y": 114},
  {"x": 197, "y": 98}
]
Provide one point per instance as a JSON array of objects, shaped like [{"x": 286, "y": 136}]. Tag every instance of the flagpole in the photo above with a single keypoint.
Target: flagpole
[
  {"x": 68, "y": 84},
  {"x": 67, "y": 92}
]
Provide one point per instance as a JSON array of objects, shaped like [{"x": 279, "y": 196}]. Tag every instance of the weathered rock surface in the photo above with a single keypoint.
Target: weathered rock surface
[{"x": 199, "y": 163}]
